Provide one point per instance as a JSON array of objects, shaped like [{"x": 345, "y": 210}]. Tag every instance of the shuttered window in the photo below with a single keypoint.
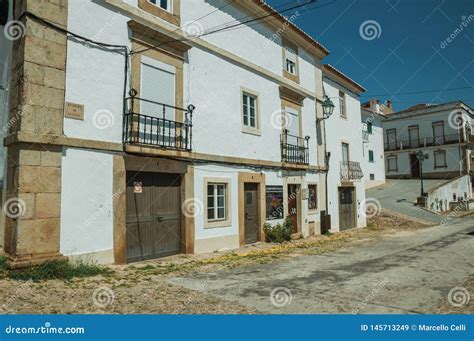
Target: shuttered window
[{"x": 157, "y": 85}]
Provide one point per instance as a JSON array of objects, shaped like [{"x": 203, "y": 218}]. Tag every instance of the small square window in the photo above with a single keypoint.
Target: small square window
[
  {"x": 372, "y": 176},
  {"x": 369, "y": 127},
  {"x": 290, "y": 61},
  {"x": 371, "y": 156}
]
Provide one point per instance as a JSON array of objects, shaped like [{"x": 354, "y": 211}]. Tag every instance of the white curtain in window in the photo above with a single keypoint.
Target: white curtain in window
[{"x": 291, "y": 55}]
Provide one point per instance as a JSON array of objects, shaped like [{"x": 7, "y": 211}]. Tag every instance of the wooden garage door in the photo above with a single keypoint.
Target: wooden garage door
[{"x": 153, "y": 215}]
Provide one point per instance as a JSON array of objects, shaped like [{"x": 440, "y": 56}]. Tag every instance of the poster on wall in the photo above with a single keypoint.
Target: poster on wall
[{"x": 274, "y": 202}]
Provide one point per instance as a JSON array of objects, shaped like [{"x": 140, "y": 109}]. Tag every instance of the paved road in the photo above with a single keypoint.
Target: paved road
[
  {"x": 406, "y": 273},
  {"x": 400, "y": 196}
]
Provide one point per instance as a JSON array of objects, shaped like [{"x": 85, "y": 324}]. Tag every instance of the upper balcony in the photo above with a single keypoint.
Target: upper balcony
[
  {"x": 404, "y": 144},
  {"x": 155, "y": 124},
  {"x": 294, "y": 149},
  {"x": 351, "y": 170}
]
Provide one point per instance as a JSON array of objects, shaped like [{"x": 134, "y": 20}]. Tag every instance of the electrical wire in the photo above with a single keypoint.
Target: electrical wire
[{"x": 213, "y": 30}]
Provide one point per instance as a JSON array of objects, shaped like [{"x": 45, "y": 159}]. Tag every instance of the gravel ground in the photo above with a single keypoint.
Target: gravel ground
[{"x": 144, "y": 288}]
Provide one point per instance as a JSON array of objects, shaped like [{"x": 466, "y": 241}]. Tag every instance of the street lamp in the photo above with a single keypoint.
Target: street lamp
[
  {"x": 421, "y": 158},
  {"x": 328, "y": 109}
]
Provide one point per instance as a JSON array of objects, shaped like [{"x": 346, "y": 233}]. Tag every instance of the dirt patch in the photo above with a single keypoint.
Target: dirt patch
[{"x": 142, "y": 288}]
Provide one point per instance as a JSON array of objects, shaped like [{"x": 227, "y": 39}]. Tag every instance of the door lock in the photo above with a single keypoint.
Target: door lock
[{"x": 159, "y": 219}]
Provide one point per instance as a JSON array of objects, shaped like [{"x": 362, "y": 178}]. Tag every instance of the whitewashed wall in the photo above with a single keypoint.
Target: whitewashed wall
[
  {"x": 95, "y": 76},
  {"x": 340, "y": 130},
  {"x": 86, "y": 203}
]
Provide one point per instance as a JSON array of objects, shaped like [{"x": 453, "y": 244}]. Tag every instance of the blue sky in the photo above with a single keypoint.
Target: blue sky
[{"x": 406, "y": 53}]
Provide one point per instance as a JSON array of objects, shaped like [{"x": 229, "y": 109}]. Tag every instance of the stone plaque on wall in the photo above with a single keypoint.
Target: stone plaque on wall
[{"x": 74, "y": 111}]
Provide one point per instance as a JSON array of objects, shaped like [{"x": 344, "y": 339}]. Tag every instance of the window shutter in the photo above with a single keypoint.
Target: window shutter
[{"x": 157, "y": 85}]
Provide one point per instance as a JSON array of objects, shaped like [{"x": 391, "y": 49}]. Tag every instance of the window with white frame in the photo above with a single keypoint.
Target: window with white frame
[
  {"x": 392, "y": 164},
  {"x": 164, "y": 4},
  {"x": 250, "y": 110},
  {"x": 216, "y": 202},
  {"x": 290, "y": 61},
  {"x": 440, "y": 159},
  {"x": 342, "y": 104}
]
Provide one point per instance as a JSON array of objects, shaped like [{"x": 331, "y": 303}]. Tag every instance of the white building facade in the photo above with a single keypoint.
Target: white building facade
[
  {"x": 373, "y": 159},
  {"x": 346, "y": 188},
  {"x": 155, "y": 139},
  {"x": 443, "y": 132}
]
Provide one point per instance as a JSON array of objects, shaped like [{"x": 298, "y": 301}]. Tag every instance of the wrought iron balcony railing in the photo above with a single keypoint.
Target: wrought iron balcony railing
[
  {"x": 156, "y": 124},
  {"x": 424, "y": 142},
  {"x": 294, "y": 149},
  {"x": 351, "y": 170}
]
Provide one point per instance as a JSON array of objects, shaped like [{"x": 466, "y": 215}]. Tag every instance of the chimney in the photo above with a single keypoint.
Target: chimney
[{"x": 373, "y": 103}]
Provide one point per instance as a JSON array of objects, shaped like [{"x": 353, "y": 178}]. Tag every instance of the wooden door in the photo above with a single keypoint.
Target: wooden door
[
  {"x": 293, "y": 206},
  {"x": 346, "y": 208},
  {"x": 153, "y": 215},
  {"x": 251, "y": 209},
  {"x": 415, "y": 166}
]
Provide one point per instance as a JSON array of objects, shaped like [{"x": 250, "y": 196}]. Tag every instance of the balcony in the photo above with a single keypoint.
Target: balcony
[
  {"x": 424, "y": 142},
  {"x": 294, "y": 149},
  {"x": 351, "y": 170},
  {"x": 152, "y": 128}
]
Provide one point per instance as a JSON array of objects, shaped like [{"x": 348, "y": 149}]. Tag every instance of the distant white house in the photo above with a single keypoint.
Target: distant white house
[
  {"x": 373, "y": 161},
  {"x": 442, "y": 131}
]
